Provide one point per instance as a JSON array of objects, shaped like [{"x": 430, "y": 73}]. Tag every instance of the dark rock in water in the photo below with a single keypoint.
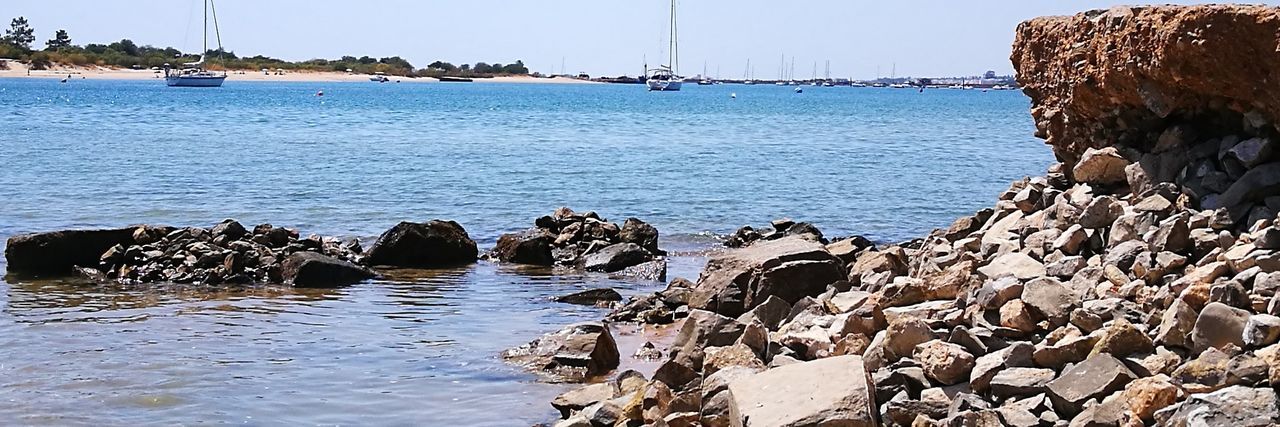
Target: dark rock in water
[
  {"x": 591, "y": 297},
  {"x": 58, "y": 251},
  {"x": 423, "y": 245},
  {"x": 615, "y": 257},
  {"x": 532, "y": 246},
  {"x": 575, "y": 353},
  {"x": 743, "y": 237},
  {"x": 640, "y": 233},
  {"x": 313, "y": 270},
  {"x": 782, "y": 228},
  {"x": 807, "y": 230}
]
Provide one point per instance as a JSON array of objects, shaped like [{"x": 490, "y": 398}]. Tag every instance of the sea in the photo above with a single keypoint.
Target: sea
[{"x": 423, "y": 349}]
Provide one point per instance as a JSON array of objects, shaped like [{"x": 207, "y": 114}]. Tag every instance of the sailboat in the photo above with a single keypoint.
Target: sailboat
[
  {"x": 193, "y": 74},
  {"x": 746, "y": 75},
  {"x": 664, "y": 77},
  {"x": 704, "y": 81}
]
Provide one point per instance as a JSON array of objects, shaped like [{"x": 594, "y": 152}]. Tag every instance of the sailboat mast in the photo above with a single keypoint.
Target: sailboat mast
[
  {"x": 675, "y": 43},
  {"x": 204, "y": 38}
]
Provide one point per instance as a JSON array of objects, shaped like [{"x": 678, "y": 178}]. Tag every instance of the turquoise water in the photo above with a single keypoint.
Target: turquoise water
[{"x": 889, "y": 164}]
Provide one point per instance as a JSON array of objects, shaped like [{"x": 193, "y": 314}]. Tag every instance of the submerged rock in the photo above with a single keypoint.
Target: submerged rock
[
  {"x": 58, "y": 251},
  {"x": 314, "y": 270},
  {"x": 591, "y": 297}
]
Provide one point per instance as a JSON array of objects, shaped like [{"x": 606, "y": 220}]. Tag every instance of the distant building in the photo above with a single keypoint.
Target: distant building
[{"x": 989, "y": 75}]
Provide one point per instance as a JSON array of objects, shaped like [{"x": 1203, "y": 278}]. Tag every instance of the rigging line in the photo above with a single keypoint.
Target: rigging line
[{"x": 186, "y": 35}]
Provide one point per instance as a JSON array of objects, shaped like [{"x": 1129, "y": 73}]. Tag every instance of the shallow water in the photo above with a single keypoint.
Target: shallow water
[{"x": 890, "y": 164}]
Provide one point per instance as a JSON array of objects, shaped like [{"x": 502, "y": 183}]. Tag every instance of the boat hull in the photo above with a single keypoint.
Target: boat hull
[
  {"x": 195, "y": 81},
  {"x": 664, "y": 85}
]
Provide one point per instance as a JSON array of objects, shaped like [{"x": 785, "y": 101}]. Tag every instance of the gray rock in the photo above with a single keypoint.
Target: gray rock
[
  {"x": 615, "y": 257},
  {"x": 1051, "y": 299},
  {"x": 1101, "y": 212},
  {"x": 1094, "y": 378},
  {"x": 1261, "y": 330},
  {"x": 1236, "y": 406},
  {"x": 789, "y": 268},
  {"x": 423, "y": 245},
  {"x": 576, "y": 352},
  {"x": 1020, "y": 382},
  {"x": 591, "y": 297},
  {"x": 1219, "y": 325}
]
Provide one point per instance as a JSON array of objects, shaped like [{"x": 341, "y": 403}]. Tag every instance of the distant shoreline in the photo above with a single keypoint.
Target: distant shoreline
[{"x": 19, "y": 70}]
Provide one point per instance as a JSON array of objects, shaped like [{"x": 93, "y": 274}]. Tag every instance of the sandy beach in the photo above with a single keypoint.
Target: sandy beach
[{"x": 19, "y": 70}]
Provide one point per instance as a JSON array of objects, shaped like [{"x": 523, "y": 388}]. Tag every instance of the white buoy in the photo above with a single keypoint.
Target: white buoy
[
  {"x": 733, "y": 95},
  {"x": 320, "y": 93}
]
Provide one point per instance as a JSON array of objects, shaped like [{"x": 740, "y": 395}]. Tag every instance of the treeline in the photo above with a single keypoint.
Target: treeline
[{"x": 18, "y": 40}]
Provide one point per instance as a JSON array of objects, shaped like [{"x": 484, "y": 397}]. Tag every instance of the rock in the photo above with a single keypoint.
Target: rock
[
  {"x": 313, "y": 270},
  {"x": 640, "y": 233},
  {"x": 1020, "y": 382},
  {"x": 591, "y": 297},
  {"x": 1122, "y": 339},
  {"x": 230, "y": 229},
  {"x": 944, "y": 362},
  {"x": 1217, "y": 326},
  {"x": 579, "y": 398},
  {"x": 532, "y": 247},
  {"x": 1100, "y": 166},
  {"x": 848, "y": 249},
  {"x": 1144, "y": 396},
  {"x": 1014, "y": 264},
  {"x": 423, "y": 245},
  {"x": 576, "y": 352},
  {"x": 903, "y": 335},
  {"x": 615, "y": 257},
  {"x": 701, "y": 330},
  {"x": 55, "y": 253},
  {"x": 1261, "y": 330},
  {"x": 718, "y": 358},
  {"x": 1252, "y": 152},
  {"x": 1237, "y": 406},
  {"x": 1256, "y": 184},
  {"x": 789, "y": 268},
  {"x": 832, "y": 391},
  {"x": 1094, "y": 378},
  {"x": 1101, "y": 212},
  {"x": 1048, "y": 297}
]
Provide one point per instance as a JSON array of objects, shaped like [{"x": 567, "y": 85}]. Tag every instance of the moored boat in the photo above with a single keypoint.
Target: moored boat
[
  {"x": 664, "y": 78},
  {"x": 193, "y": 74}
]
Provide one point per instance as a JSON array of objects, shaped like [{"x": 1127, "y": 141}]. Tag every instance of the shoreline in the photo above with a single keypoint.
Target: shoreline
[{"x": 18, "y": 70}]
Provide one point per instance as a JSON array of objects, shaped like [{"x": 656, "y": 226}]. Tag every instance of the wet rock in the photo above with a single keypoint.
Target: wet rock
[
  {"x": 532, "y": 247},
  {"x": 313, "y": 270},
  {"x": 615, "y": 257},
  {"x": 640, "y": 233},
  {"x": 230, "y": 229},
  {"x": 574, "y": 353},
  {"x": 831, "y": 391},
  {"x": 55, "y": 253},
  {"x": 577, "y": 399},
  {"x": 423, "y": 245},
  {"x": 591, "y": 297}
]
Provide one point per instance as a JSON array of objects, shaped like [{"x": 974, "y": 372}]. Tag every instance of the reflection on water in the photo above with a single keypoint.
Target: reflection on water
[{"x": 415, "y": 347}]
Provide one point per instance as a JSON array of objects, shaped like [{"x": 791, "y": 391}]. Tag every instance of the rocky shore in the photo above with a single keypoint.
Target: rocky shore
[{"x": 1134, "y": 284}]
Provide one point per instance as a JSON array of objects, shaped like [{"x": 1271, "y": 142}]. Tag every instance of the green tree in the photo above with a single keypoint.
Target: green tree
[
  {"x": 124, "y": 46},
  {"x": 20, "y": 33},
  {"x": 59, "y": 41}
]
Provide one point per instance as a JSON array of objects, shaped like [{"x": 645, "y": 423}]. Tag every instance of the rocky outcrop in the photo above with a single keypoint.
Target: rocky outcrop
[
  {"x": 225, "y": 254},
  {"x": 423, "y": 245},
  {"x": 784, "y": 227},
  {"x": 789, "y": 268},
  {"x": 586, "y": 241},
  {"x": 1122, "y": 76}
]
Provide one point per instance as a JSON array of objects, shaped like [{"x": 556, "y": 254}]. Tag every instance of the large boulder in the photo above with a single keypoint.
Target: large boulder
[
  {"x": 314, "y": 270},
  {"x": 641, "y": 233},
  {"x": 789, "y": 268},
  {"x": 1237, "y": 406},
  {"x": 575, "y": 353},
  {"x": 532, "y": 246},
  {"x": 58, "y": 252},
  {"x": 835, "y": 391},
  {"x": 423, "y": 245}
]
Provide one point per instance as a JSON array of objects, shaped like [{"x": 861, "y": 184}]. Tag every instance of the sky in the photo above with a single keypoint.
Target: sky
[{"x": 861, "y": 39}]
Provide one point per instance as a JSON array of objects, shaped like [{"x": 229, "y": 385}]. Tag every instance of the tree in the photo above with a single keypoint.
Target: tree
[
  {"x": 59, "y": 41},
  {"x": 124, "y": 46},
  {"x": 20, "y": 34}
]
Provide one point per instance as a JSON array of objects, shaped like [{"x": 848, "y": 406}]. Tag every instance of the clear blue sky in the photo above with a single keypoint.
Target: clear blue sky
[{"x": 923, "y": 38}]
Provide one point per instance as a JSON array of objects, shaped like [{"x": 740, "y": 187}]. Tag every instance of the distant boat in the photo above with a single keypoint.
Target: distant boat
[
  {"x": 799, "y": 90},
  {"x": 664, "y": 78},
  {"x": 454, "y": 79},
  {"x": 379, "y": 77},
  {"x": 193, "y": 74},
  {"x": 899, "y": 85}
]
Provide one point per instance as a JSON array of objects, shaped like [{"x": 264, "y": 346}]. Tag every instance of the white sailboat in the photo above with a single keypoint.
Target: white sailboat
[
  {"x": 664, "y": 78},
  {"x": 193, "y": 74}
]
